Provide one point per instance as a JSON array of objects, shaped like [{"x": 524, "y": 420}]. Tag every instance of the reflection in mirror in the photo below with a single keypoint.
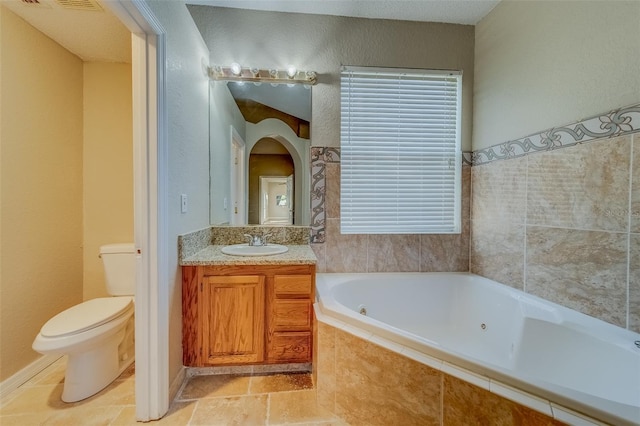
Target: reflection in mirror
[{"x": 259, "y": 131}]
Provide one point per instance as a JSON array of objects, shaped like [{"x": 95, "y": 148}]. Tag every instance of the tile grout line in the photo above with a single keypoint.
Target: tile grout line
[
  {"x": 629, "y": 216},
  {"x": 266, "y": 420},
  {"x": 526, "y": 223},
  {"x": 536, "y": 225},
  {"x": 193, "y": 412}
]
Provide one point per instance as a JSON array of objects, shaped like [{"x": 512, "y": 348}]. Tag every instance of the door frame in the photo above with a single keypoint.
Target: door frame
[
  {"x": 263, "y": 189},
  {"x": 150, "y": 163},
  {"x": 238, "y": 205}
]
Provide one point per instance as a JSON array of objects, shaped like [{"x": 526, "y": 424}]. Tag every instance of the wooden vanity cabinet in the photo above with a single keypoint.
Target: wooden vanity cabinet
[{"x": 247, "y": 314}]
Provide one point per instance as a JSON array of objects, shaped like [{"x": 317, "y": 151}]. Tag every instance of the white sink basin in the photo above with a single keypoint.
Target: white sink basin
[{"x": 247, "y": 250}]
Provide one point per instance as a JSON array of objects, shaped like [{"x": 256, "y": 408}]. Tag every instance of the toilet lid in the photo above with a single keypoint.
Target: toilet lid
[{"x": 85, "y": 316}]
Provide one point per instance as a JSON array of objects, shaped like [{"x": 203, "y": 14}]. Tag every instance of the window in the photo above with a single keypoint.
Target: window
[{"x": 400, "y": 151}]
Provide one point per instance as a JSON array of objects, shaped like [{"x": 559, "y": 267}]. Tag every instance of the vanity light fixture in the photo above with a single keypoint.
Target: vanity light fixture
[{"x": 235, "y": 72}]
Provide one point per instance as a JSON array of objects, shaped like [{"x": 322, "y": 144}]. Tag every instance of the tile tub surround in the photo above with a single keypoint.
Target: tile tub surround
[
  {"x": 356, "y": 382},
  {"x": 563, "y": 225},
  {"x": 378, "y": 253}
]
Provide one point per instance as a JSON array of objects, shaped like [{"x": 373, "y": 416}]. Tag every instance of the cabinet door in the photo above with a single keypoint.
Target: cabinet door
[{"x": 233, "y": 317}]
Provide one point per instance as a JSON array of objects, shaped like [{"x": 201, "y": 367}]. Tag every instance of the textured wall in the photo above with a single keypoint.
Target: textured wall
[
  {"x": 187, "y": 89},
  {"x": 323, "y": 43},
  {"x": 107, "y": 166},
  {"x": 41, "y": 186},
  {"x": 540, "y": 64}
]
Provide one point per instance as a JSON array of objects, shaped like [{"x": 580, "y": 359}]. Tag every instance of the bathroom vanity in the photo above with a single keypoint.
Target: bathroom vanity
[{"x": 248, "y": 310}]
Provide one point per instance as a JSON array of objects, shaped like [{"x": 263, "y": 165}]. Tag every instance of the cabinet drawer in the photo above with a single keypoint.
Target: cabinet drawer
[
  {"x": 292, "y": 314},
  {"x": 291, "y": 346},
  {"x": 291, "y": 285}
]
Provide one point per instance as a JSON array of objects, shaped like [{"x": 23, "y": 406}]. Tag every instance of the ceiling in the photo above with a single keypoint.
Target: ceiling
[
  {"x": 84, "y": 27},
  {"x": 468, "y": 12},
  {"x": 94, "y": 34}
]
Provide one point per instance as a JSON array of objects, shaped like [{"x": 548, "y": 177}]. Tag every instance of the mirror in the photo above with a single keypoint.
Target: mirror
[{"x": 259, "y": 131}]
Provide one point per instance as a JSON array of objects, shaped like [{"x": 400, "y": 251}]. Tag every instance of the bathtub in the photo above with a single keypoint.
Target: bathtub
[{"x": 568, "y": 363}]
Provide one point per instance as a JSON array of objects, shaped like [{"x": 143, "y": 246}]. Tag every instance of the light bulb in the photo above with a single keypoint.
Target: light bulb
[
  {"x": 236, "y": 69},
  {"x": 292, "y": 71}
]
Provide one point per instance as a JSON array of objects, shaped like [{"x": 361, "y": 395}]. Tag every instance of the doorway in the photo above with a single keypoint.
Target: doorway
[
  {"x": 150, "y": 206},
  {"x": 276, "y": 200},
  {"x": 268, "y": 159}
]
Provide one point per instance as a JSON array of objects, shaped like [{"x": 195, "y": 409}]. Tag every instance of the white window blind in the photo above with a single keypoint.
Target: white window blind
[{"x": 400, "y": 151}]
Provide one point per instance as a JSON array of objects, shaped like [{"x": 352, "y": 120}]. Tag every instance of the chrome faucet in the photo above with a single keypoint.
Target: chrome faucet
[{"x": 257, "y": 240}]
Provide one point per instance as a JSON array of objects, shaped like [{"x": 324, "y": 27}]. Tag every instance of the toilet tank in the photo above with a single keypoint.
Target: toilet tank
[{"x": 119, "y": 262}]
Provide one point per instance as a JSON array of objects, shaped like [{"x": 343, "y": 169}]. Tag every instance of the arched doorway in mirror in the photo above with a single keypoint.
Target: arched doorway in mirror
[{"x": 271, "y": 184}]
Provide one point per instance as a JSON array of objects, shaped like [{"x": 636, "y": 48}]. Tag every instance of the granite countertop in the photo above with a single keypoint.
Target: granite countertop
[{"x": 212, "y": 255}]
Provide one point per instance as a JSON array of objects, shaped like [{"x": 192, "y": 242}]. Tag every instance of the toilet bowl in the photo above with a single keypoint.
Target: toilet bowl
[{"x": 98, "y": 334}]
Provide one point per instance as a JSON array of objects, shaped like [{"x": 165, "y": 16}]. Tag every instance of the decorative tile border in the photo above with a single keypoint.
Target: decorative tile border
[
  {"x": 614, "y": 123},
  {"x": 320, "y": 156},
  {"x": 466, "y": 158}
]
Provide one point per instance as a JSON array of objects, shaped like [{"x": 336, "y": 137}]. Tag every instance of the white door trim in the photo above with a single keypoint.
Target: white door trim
[
  {"x": 238, "y": 211},
  {"x": 150, "y": 206}
]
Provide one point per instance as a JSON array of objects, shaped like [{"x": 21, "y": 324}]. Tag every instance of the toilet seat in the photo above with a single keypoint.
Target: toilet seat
[{"x": 86, "y": 315}]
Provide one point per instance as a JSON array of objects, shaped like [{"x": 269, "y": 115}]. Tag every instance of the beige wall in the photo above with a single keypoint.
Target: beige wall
[
  {"x": 67, "y": 180},
  {"x": 540, "y": 64},
  {"x": 41, "y": 186},
  {"x": 108, "y": 166}
]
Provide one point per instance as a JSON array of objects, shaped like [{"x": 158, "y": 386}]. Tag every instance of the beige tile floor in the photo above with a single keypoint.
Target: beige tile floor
[{"x": 276, "y": 399}]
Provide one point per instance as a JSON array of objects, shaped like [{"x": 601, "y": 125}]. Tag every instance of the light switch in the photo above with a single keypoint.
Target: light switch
[{"x": 183, "y": 203}]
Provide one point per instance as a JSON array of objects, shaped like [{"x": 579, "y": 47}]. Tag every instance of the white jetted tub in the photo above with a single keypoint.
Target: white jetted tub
[{"x": 543, "y": 349}]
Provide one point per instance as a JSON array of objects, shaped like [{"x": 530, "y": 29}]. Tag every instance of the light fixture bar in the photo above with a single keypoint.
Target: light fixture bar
[{"x": 235, "y": 72}]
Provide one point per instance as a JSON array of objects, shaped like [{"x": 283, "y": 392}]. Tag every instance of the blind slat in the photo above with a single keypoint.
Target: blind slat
[{"x": 400, "y": 151}]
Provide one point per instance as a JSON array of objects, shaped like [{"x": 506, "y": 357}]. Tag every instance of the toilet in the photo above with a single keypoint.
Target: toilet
[{"x": 96, "y": 335}]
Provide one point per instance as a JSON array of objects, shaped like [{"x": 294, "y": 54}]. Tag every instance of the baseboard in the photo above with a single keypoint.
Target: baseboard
[
  {"x": 14, "y": 382},
  {"x": 177, "y": 383}
]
